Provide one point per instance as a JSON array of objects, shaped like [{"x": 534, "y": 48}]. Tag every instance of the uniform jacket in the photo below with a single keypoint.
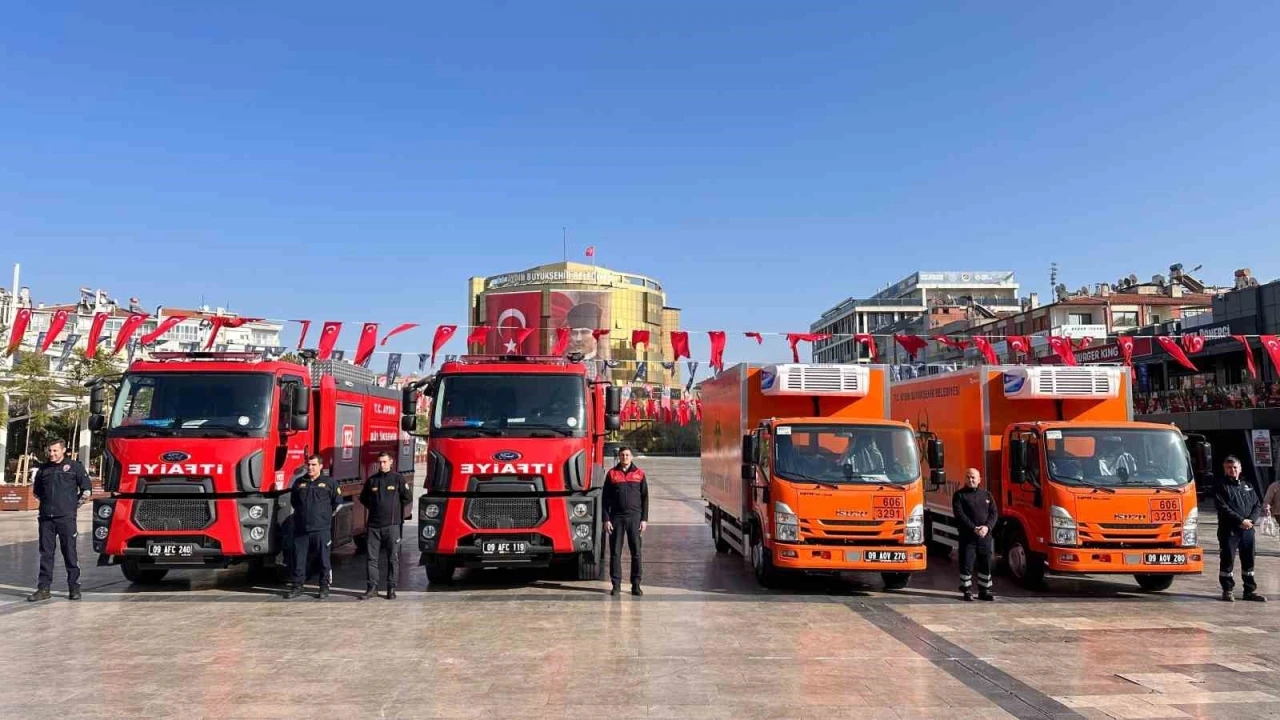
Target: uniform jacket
[
  {"x": 626, "y": 492},
  {"x": 385, "y": 495},
  {"x": 973, "y": 508},
  {"x": 313, "y": 503},
  {"x": 1272, "y": 499},
  {"x": 59, "y": 487},
  {"x": 1236, "y": 500}
]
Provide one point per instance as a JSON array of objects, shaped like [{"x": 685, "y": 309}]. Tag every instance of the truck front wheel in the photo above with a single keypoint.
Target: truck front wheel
[
  {"x": 591, "y": 566},
  {"x": 1026, "y": 567},
  {"x": 439, "y": 570},
  {"x": 136, "y": 574},
  {"x": 1154, "y": 583},
  {"x": 895, "y": 580},
  {"x": 717, "y": 532},
  {"x": 762, "y": 562}
]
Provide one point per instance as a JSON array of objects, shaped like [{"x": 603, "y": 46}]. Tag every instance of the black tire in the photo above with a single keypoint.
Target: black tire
[
  {"x": 895, "y": 580},
  {"x": 591, "y": 566},
  {"x": 135, "y": 573},
  {"x": 1024, "y": 566},
  {"x": 264, "y": 571},
  {"x": 1154, "y": 582},
  {"x": 762, "y": 563},
  {"x": 439, "y": 570},
  {"x": 717, "y": 533}
]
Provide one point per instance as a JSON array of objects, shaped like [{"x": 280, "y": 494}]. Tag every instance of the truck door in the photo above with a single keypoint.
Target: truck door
[
  {"x": 345, "y": 468},
  {"x": 1025, "y": 495}
]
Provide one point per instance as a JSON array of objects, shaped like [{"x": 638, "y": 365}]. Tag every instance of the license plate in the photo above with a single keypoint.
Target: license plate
[
  {"x": 1164, "y": 559},
  {"x": 1166, "y": 510},
  {"x": 175, "y": 551},
  {"x": 887, "y": 556},
  {"x": 504, "y": 547},
  {"x": 887, "y": 507}
]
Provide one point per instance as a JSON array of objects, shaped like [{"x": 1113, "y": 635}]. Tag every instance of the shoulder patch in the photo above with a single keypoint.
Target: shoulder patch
[{"x": 321, "y": 485}]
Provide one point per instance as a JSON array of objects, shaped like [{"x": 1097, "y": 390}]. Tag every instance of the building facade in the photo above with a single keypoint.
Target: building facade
[{"x": 601, "y": 308}]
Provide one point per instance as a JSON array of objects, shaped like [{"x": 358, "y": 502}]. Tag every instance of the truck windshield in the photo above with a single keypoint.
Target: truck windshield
[
  {"x": 846, "y": 454},
  {"x": 1117, "y": 458},
  {"x": 509, "y": 406},
  {"x": 193, "y": 405}
]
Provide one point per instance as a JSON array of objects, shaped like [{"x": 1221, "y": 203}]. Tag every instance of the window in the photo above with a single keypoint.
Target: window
[
  {"x": 1079, "y": 318},
  {"x": 1124, "y": 318}
]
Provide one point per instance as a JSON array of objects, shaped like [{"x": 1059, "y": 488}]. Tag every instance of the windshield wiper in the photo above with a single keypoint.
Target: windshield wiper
[
  {"x": 470, "y": 432},
  {"x": 558, "y": 429},
  {"x": 1095, "y": 486},
  {"x": 140, "y": 431},
  {"x": 231, "y": 431},
  {"x": 1158, "y": 488},
  {"x": 808, "y": 478}
]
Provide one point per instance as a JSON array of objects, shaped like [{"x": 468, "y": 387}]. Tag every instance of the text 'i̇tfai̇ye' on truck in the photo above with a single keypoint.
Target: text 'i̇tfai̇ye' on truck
[
  {"x": 203, "y": 448},
  {"x": 1081, "y": 488},
  {"x": 804, "y": 471},
  {"x": 515, "y": 465}
]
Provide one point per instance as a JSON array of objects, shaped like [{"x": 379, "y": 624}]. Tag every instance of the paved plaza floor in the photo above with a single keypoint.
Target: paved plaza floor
[{"x": 704, "y": 641}]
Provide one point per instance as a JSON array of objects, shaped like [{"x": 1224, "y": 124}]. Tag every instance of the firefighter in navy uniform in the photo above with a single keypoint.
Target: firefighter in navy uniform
[
  {"x": 315, "y": 500},
  {"x": 626, "y": 512},
  {"x": 385, "y": 494},
  {"x": 976, "y": 515},
  {"x": 62, "y": 486},
  {"x": 1239, "y": 508}
]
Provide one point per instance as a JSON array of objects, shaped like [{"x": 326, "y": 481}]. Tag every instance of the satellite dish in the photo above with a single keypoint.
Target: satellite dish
[
  {"x": 1158, "y": 279},
  {"x": 1133, "y": 279}
]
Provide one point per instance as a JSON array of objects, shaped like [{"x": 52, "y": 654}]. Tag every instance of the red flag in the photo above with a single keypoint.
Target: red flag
[
  {"x": 1018, "y": 345},
  {"x": 1272, "y": 345},
  {"x": 651, "y": 408},
  {"x": 984, "y": 347},
  {"x": 682, "y": 411},
  {"x": 1085, "y": 342},
  {"x": 368, "y": 340},
  {"x": 20, "y": 322},
  {"x": 1171, "y": 346},
  {"x": 697, "y": 410},
  {"x": 1248, "y": 355},
  {"x": 523, "y": 334},
  {"x": 1125, "y": 343},
  {"x": 562, "y": 341},
  {"x": 127, "y": 329},
  {"x": 669, "y": 414},
  {"x": 443, "y": 333},
  {"x": 591, "y": 251},
  {"x": 165, "y": 326},
  {"x": 756, "y": 336},
  {"x": 717, "y": 349},
  {"x": 952, "y": 343},
  {"x": 478, "y": 334},
  {"x": 95, "y": 332},
  {"x": 402, "y": 327},
  {"x": 306, "y": 325},
  {"x": 597, "y": 334},
  {"x": 680, "y": 344},
  {"x": 328, "y": 338},
  {"x": 870, "y": 341},
  {"x": 1193, "y": 343},
  {"x": 58, "y": 322},
  {"x": 911, "y": 343},
  {"x": 638, "y": 337},
  {"x": 1062, "y": 347},
  {"x": 795, "y": 338}
]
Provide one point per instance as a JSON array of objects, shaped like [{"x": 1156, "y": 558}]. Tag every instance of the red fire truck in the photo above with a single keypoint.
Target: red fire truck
[
  {"x": 515, "y": 466},
  {"x": 202, "y": 448}
]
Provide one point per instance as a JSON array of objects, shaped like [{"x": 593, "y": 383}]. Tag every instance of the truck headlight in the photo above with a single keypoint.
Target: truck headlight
[
  {"x": 429, "y": 531},
  {"x": 256, "y": 512},
  {"x": 915, "y": 527},
  {"x": 100, "y": 533},
  {"x": 104, "y": 511},
  {"x": 786, "y": 526},
  {"x": 1064, "y": 527},
  {"x": 258, "y": 533},
  {"x": 582, "y": 531},
  {"x": 1189, "y": 527},
  {"x": 580, "y": 510},
  {"x": 432, "y": 511}
]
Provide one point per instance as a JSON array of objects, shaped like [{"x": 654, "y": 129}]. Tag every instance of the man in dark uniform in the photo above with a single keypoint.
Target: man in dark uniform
[
  {"x": 61, "y": 486},
  {"x": 1238, "y": 509},
  {"x": 976, "y": 515},
  {"x": 385, "y": 494},
  {"x": 315, "y": 499},
  {"x": 626, "y": 512}
]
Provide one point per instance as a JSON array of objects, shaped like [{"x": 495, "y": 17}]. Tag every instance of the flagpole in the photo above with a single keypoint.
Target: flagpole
[{"x": 564, "y": 243}]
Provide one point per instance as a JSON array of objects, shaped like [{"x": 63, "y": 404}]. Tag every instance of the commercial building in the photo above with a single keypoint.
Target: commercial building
[
  {"x": 918, "y": 303},
  {"x": 601, "y": 307}
]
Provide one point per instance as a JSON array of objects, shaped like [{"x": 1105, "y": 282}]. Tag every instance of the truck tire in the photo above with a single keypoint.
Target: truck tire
[
  {"x": 136, "y": 574},
  {"x": 590, "y": 567},
  {"x": 762, "y": 563},
  {"x": 895, "y": 580},
  {"x": 264, "y": 571},
  {"x": 1026, "y": 567},
  {"x": 1154, "y": 582},
  {"x": 717, "y": 532},
  {"x": 439, "y": 570}
]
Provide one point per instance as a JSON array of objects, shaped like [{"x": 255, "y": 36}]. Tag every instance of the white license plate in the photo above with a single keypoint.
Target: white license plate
[
  {"x": 1164, "y": 559},
  {"x": 177, "y": 551},
  {"x": 504, "y": 547},
  {"x": 888, "y": 556}
]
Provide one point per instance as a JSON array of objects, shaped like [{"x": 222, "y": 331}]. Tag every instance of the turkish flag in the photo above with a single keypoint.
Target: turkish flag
[
  {"x": 1171, "y": 346},
  {"x": 639, "y": 337},
  {"x": 217, "y": 322},
  {"x": 402, "y": 327},
  {"x": 952, "y": 343},
  {"x": 1272, "y": 345},
  {"x": 697, "y": 410},
  {"x": 20, "y": 321},
  {"x": 306, "y": 325},
  {"x": 599, "y": 333},
  {"x": 1062, "y": 347},
  {"x": 441, "y": 337},
  {"x": 368, "y": 341},
  {"x": 651, "y": 408},
  {"x": 1193, "y": 343},
  {"x": 794, "y": 339},
  {"x": 870, "y": 341},
  {"x": 680, "y": 344},
  {"x": 478, "y": 335},
  {"x": 562, "y": 341},
  {"x": 165, "y": 326},
  {"x": 755, "y": 336},
  {"x": 1248, "y": 355},
  {"x": 56, "y": 325},
  {"x": 510, "y": 313},
  {"x": 911, "y": 343},
  {"x": 682, "y": 411},
  {"x": 130, "y": 326},
  {"x": 1125, "y": 343},
  {"x": 717, "y": 349},
  {"x": 984, "y": 347},
  {"x": 328, "y": 338},
  {"x": 95, "y": 332},
  {"x": 1018, "y": 345},
  {"x": 1085, "y": 342}
]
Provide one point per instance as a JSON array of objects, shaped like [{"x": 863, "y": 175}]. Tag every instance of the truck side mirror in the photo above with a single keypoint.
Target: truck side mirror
[
  {"x": 613, "y": 400},
  {"x": 1201, "y": 458},
  {"x": 1018, "y": 461},
  {"x": 612, "y": 422},
  {"x": 750, "y": 453},
  {"x": 300, "y": 402},
  {"x": 748, "y": 472},
  {"x": 97, "y": 399},
  {"x": 935, "y": 454},
  {"x": 97, "y": 422},
  {"x": 937, "y": 478},
  {"x": 408, "y": 401},
  {"x": 409, "y": 423}
]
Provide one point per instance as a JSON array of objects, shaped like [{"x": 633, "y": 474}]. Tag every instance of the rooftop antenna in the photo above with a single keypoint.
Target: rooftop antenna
[
  {"x": 1053, "y": 276},
  {"x": 564, "y": 243}
]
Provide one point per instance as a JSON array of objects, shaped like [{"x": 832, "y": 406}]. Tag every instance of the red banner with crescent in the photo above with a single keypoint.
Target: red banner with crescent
[
  {"x": 510, "y": 314},
  {"x": 56, "y": 325},
  {"x": 95, "y": 333},
  {"x": 20, "y": 321}
]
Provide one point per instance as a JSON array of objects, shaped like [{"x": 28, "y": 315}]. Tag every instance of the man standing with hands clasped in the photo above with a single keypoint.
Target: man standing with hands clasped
[
  {"x": 976, "y": 515},
  {"x": 385, "y": 494},
  {"x": 62, "y": 486},
  {"x": 1238, "y": 509},
  {"x": 626, "y": 512},
  {"x": 315, "y": 499}
]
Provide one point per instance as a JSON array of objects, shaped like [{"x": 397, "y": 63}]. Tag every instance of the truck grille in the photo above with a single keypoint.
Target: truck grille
[
  {"x": 172, "y": 514},
  {"x": 504, "y": 513}
]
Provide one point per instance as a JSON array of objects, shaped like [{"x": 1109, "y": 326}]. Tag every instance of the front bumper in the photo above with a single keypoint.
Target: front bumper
[
  {"x": 847, "y": 558},
  {"x": 1126, "y": 561},
  {"x": 231, "y": 532},
  {"x": 449, "y": 532}
]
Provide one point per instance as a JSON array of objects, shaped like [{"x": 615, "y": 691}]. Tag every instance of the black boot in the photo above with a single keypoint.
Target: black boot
[
  {"x": 635, "y": 589},
  {"x": 986, "y": 595},
  {"x": 1227, "y": 596},
  {"x": 324, "y": 592},
  {"x": 968, "y": 596},
  {"x": 391, "y": 592},
  {"x": 369, "y": 593},
  {"x": 74, "y": 593},
  {"x": 616, "y": 589},
  {"x": 1254, "y": 597},
  {"x": 38, "y": 595},
  {"x": 295, "y": 591}
]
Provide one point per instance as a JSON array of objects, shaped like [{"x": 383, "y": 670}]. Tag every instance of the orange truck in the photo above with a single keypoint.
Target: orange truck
[
  {"x": 803, "y": 471},
  {"x": 1081, "y": 488}
]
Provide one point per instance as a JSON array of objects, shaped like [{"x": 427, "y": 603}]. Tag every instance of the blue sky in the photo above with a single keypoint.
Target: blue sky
[{"x": 764, "y": 160}]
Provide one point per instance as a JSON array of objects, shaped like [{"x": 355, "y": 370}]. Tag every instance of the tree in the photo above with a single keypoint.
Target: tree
[{"x": 31, "y": 392}]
